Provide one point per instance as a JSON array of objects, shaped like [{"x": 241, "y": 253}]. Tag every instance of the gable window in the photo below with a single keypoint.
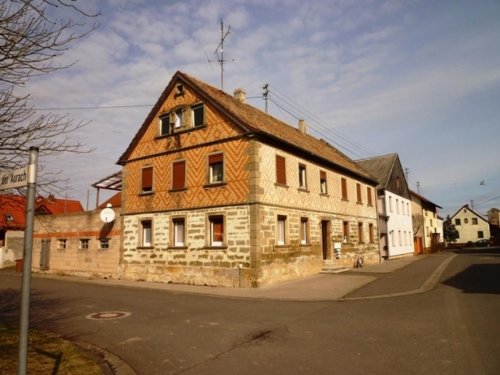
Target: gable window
[
  {"x": 165, "y": 124},
  {"x": 198, "y": 115},
  {"x": 466, "y": 221},
  {"x": 457, "y": 221},
  {"x": 146, "y": 233},
  {"x": 280, "y": 170},
  {"x": 216, "y": 168},
  {"x": 147, "y": 179},
  {"x": 360, "y": 233},
  {"x": 304, "y": 228},
  {"x": 345, "y": 231},
  {"x": 177, "y": 118},
  {"x": 343, "y": 185},
  {"x": 103, "y": 243},
  {"x": 358, "y": 193},
  {"x": 178, "y": 175},
  {"x": 84, "y": 243},
  {"x": 179, "y": 232},
  {"x": 369, "y": 196},
  {"x": 216, "y": 230},
  {"x": 302, "y": 177},
  {"x": 474, "y": 221},
  {"x": 281, "y": 230},
  {"x": 322, "y": 182}
]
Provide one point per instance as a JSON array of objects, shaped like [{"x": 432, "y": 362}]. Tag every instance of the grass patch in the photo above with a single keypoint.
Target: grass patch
[{"x": 47, "y": 354}]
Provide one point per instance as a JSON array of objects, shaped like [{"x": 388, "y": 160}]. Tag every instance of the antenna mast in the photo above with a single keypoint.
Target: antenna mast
[{"x": 219, "y": 52}]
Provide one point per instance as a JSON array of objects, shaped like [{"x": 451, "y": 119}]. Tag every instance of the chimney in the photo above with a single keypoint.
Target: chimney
[
  {"x": 240, "y": 95},
  {"x": 302, "y": 126}
]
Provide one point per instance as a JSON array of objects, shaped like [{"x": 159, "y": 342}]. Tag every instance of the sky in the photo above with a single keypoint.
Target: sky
[{"x": 417, "y": 78}]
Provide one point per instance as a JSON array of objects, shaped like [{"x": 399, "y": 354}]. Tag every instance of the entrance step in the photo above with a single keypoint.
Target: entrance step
[{"x": 331, "y": 268}]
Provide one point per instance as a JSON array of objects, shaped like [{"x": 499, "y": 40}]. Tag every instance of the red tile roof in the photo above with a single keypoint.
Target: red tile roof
[
  {"x": 254, "y": 122},
  {"x": 114, "y": 201},
  {"x": 54, "y": 206}
]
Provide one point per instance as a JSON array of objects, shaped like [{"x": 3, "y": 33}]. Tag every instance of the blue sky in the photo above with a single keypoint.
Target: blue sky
[{"x": 419, "y": 78}]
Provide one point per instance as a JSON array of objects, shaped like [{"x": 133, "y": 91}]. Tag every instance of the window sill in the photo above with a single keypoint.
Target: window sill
[
  {"x": 222, "y": 247},
  {"x": 180, "y": 190},
  {"x": 281, "y": 185},
  {"x": 214, "y": 185},
  {"x": 181, "y": 131},
  {"x": 177, "y": 248},
  {"x": 146, "y": 193},
  {"x": 359, "y": 203},
  {"x": 145, "y": 247},
  {"x": 303, "y": 190},
  {"x": 324, "y": 195},
  {"x": 345, "y": 200},
  {"x": 282, "y": 247}
]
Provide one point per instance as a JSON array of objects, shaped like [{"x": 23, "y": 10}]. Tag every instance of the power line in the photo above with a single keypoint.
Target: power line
[{"x": 93, "y": 107}]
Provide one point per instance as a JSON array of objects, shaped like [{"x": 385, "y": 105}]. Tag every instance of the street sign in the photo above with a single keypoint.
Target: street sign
[{"x": 15, "y": 178}]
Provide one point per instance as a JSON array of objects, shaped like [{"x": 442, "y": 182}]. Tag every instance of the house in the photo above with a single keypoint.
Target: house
[
  {"x": 470, "y": 225},
  {"x": 394, "y": 205},
  {"x": 427, "y": 225},
  {"x": 13, "y": 221},
  {"x": 217, "y": 192},
  {"x": 78, "y": 243}
]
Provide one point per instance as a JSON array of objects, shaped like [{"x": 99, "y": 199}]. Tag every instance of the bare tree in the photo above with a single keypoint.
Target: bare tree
[{"x": 31, "y": 40}]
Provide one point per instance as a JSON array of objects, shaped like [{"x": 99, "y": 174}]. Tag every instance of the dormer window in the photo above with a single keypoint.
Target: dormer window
[{"x": 181, "y": 119}]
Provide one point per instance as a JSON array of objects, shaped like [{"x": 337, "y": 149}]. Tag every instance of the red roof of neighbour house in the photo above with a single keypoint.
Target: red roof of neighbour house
[
  {"x": 114, "y": 201},
  {"x": 13, "y": 209}
]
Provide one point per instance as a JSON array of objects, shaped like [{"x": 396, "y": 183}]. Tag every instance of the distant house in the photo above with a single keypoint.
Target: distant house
[
  {"x": 394, "y": 205},
  {"x": 470, "y": 225},
  {"x": 494, "y": 217},
  {"x": 427, "y": 225},
  {"x": 13, "y": 221},
  {"x": 217, "y": 192},
  {"x": 78, "y": 243}
]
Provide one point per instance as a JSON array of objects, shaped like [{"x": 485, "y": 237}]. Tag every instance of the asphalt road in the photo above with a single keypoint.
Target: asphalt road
[{"x": 453, "y": 329}]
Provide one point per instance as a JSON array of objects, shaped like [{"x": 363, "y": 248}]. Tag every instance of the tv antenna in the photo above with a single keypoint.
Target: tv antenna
[{"x": 219, "y": 52}]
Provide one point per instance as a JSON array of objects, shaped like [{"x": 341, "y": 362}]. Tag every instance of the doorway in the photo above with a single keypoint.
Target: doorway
[
  {"x": 325, "y": 239},
  {"x": 45, "y": 255}
]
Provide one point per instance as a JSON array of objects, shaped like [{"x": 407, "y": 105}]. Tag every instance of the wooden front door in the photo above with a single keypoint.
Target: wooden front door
[
  {"x": 325, "y": 239},
  {"x": 45, "y": 255}
]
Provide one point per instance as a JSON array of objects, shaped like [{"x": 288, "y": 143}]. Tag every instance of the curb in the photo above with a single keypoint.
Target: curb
[
  {"x": 428, "y": 284},
  {"x": 112, "y": 364}
]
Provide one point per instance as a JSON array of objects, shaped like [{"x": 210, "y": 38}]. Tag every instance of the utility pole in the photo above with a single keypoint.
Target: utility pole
[
  {"x": 418, "y": 187},
  {"x": 265, "y": 93},
  {"x": 407, "y": 173}
]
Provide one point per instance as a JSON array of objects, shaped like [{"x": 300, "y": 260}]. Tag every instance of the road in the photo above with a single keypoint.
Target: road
[{"x": 453, "y": 329}]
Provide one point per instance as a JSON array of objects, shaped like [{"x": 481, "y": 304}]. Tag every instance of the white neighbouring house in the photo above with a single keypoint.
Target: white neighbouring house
[
  {"x": 470, "y": 225},
  {"x": 394, "y": 205}
]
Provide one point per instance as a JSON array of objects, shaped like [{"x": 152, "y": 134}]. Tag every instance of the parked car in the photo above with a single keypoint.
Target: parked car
[{"x": 482, "y": 243}]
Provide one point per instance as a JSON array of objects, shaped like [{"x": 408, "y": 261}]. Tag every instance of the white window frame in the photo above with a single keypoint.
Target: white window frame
[
  {"x": 179, "y": 238},
  {"x": 146, "y": 233},
  {"x": 281, "y": 230},
  {"x": 84, "y": 244},
  {"x": 211, "y": 220},
  {"x": 304, "y": 230},
  {"x": 302, "y": 176}
]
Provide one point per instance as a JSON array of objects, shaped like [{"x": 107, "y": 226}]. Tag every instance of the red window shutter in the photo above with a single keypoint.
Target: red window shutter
[
  {"x": 218, "y": 228},
  {"x": 280, "y": 170},
  {"x": 147, "y": 179},
  {"x": 179, "y": 175},
  {"x": 215, "y": 158}
]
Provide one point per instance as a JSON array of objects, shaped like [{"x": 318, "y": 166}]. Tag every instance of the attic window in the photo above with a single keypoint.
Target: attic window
[
  {"x": 9, "y": 218},
  {"x": 182, "y": 119}
]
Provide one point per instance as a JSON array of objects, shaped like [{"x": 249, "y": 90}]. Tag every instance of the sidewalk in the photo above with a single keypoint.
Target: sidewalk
[{"x": 321, "y": 287}]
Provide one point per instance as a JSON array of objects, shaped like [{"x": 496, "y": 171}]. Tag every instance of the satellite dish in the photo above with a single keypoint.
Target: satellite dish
[{"x": 107, "y": 215}]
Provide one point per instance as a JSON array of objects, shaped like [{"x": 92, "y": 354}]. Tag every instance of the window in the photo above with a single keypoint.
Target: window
[
  {"x": 405, "y": 239},
  {"x": 103, "y": 243},
  {"x": 146, "y": 233},
  {"x": 466, "y": 221},
  {"x": 322, "y": 182},
  {"x": 399, "y": 238},
  {"x": 392, "y": 239},
  {"x": 9, "y": 217},
  {"x": 280, "y": 170},
  {"x": 281, "y": 230},
  {"x": 358, "y": 193},
  {"x": 179, "y": 232},
  {"x": 390, "y": 204},
  {"x": 302, "y": 177},
  {"x": 480, "y": 234},
  {"x": 165, "y": 125},
  {"x": 370, "y": 232},
  {"x": 304, "y": 227},
  {"x": 474, "y": 221},
  {"x": 178, "y": 175},
  {"x": 62, "y": 244},
  {"x": 408, "y": 209},
  {"x": 360, "y": 233},
  {"x": 369, "y": 196},
  {"x": 84, "y": 244},
  {"x": 216, "y": 168},
  {"x": 198, "y": 115},
  {"x": 216, "y": 230},
  {"x": 147, "y": 179},
  {"x": 397, "y": 205},
  {"x": 457, "y": 221},
  {"x": 345, "y": 231},
  {"x": 343, "y": 183},
  {"x": 177, "y": 118}
]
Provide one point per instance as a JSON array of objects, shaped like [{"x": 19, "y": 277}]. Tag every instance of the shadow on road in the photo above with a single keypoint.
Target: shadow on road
[{"x": 478, "y": 278}]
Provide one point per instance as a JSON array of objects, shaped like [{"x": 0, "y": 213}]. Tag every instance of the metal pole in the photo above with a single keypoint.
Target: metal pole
[{"x": 28, "y": 246}]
